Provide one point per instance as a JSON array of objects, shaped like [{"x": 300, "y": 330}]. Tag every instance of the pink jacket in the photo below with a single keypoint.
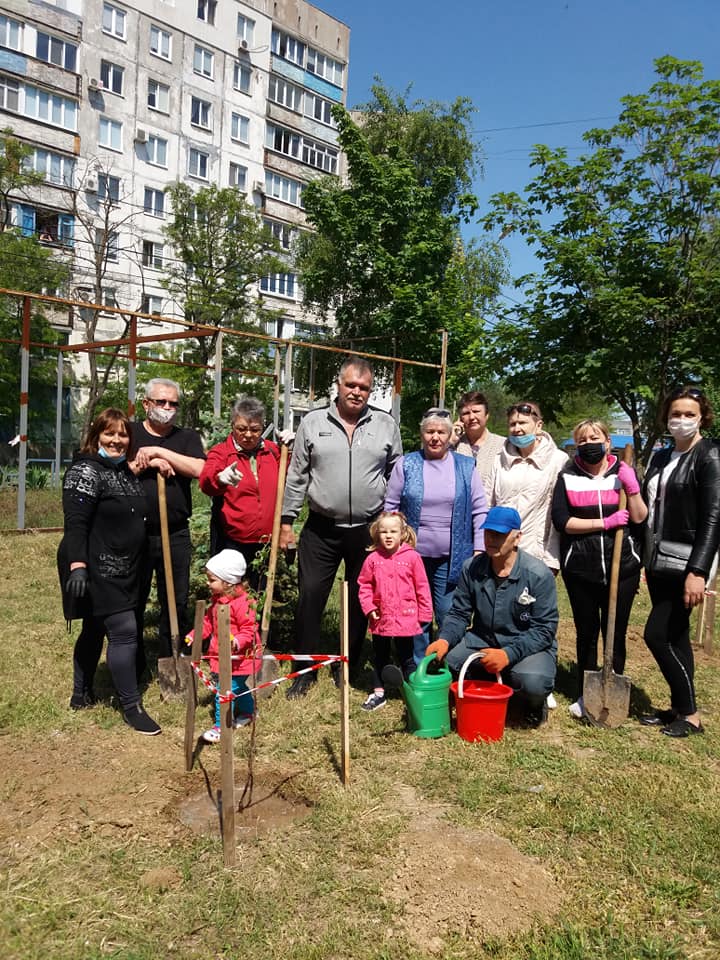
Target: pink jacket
[
  {"x": 243, "y": 632},
  {"x": 395, "y": 585}
]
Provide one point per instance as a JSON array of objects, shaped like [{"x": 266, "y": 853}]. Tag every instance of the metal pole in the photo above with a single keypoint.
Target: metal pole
[
  {"x": 58, "y": 420},
  {"x": 217, "y": 396},
  {"x": 287, "y": 409},
  {"x": 24, "y": 387},
  {"x": 311, "y": 390},
  {"x": 132, "y": 369},
  {"x": 397, "y": 391},
  {"x": 443, "y": 367},
  {"x": 276, "y": 387}
]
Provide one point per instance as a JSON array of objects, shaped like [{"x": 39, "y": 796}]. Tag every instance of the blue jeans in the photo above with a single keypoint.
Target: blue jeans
[
  {"x": 437, "y": 569},
  {"x": 243, "y": 702}
]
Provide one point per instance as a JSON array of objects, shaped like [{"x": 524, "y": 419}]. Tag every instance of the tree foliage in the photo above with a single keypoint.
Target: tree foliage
[{"x": 627, "y": 237}]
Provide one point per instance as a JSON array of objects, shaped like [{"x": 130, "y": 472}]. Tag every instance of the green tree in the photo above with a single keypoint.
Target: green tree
[
  {"x": 221, "y": 251},
  {"x": 386, "y": 258},
  {"x": 625, "y": 305}
]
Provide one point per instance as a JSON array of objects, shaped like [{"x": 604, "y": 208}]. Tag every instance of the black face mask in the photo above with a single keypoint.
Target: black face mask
[{"x": 591, "y": 452}]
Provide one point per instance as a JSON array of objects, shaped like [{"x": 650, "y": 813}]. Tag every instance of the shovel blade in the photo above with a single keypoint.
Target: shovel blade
[
  {"x": 607, "y": 704},
  {"x": 173, "y": 676}
]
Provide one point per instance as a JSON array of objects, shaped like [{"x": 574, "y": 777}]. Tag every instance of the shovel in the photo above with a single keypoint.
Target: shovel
[
  {"x": 606, "y": 696},
  {"x": 172, "y": 673}
]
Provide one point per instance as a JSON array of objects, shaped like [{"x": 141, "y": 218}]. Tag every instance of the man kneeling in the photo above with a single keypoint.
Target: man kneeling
[{"x": 508, "y": 599}]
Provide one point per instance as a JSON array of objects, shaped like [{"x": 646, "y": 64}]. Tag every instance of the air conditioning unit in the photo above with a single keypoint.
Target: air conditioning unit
[
  {"x": 243, "y": 46},
  {"x": 141, "y": 136},
  {"x": 96, "y": 84},
  {"x": 90, "y": 185},
  {"x": 258, "y": 187}
]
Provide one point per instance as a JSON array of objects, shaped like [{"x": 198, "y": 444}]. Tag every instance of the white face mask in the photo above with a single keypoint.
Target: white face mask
[
  {"x": 161, "y": 415},
  {"x": 682, "y": 428}
]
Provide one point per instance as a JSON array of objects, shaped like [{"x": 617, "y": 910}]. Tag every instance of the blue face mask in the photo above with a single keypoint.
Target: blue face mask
[
  {"x": 102, "y": 452},
  {"x": 525, "y": 441}
]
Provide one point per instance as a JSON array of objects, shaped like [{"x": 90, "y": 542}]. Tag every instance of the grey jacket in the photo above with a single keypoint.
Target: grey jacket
[{"x": 342, "y": 479}]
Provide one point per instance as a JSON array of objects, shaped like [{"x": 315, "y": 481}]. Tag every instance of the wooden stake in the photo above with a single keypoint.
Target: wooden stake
[
  {"x": 227, "y": 766},
  {"x": 191, "y": 687},
  {"x": 345, "y": 683},
  {"x": 709, "y": 608}
]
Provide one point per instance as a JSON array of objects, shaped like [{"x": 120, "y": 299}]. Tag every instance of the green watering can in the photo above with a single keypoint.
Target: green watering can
[{"x": 427, "y": 700}]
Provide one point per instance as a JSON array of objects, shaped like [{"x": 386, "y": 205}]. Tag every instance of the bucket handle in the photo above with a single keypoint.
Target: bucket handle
[{"x": 473, "y": 656}]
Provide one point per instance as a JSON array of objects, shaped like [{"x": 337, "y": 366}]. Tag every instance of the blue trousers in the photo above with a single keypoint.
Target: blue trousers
[
  {"x": 243, "y": 702},
  {"x": 437, "y": 569}
]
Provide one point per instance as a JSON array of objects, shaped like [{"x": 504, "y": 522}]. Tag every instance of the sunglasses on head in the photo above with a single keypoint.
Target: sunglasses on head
[
  {"x": 436, "y": 412},
  {"x": 692, "y": 392},
  {"x": 526, "y": 408}
]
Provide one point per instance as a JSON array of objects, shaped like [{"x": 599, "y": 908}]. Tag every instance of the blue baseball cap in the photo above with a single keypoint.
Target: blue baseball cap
[{"x": 502, "y": 519}]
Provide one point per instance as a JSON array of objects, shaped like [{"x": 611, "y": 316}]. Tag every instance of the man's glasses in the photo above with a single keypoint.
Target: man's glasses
[
  {"x": 163, "y": 403},
  {"x": 525, "y": 408},
  {"x": 437, "y": 412}
]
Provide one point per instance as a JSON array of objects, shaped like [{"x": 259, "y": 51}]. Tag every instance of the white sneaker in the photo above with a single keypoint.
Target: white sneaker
[
  {"x": 212, "y": 735},
  {"x": 551, "y": 702},
  {"x": 242, "y": 721},
  {"x": 577, "y": 709}
]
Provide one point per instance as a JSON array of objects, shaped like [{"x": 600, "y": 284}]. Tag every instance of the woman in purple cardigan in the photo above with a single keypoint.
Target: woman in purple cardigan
[{"x": 442, "y": 496}]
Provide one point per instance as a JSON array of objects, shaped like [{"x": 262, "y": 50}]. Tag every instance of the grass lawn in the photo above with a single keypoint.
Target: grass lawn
[{"x": 564, "y": 843}]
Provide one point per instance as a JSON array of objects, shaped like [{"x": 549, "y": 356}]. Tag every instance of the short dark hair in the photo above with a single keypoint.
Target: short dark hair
[
  {"x": 689, "y": 393},
  {"x": 360, "y": 363},
  {"x": 106, "y": 418},
  {"x": 249, "y": 407},
  {"x": 473, "y": 397}
]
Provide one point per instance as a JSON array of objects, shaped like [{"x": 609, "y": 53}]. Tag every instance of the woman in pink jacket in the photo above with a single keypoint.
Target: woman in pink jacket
[{"x": 395, "y": 596}]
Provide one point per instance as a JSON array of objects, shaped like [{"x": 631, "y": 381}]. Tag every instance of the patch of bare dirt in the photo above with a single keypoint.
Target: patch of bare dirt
[
  {"x": 270, "y": 808},
  {"x": 452, "y": 879}
]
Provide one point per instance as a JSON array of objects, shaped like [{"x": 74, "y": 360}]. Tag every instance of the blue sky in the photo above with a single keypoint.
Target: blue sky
[{"x": 524, "y": 63}]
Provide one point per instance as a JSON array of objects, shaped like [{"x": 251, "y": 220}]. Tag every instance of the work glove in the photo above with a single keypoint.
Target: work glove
[
  {"x": 77, "y": 583},
  {"x": 618, "y": 519},
  {"x": 230, "y": 476},
  {"x": 628, "y": 479},
  {"x": 286, "y": 436},
  {"x": 439, "y": 648},
  {"x": 494, "y": 659}
]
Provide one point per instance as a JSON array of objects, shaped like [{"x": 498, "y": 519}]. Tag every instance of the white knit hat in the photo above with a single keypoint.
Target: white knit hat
[{"x": 228, "y": 565}]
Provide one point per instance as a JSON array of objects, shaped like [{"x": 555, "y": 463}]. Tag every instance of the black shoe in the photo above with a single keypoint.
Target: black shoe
[
  {"x": 139, "y": 720},
  {"x": 336, "y": 673},
  {"x": 682, "y": 728},
  {"x": 659, "y": 718},
  {"x": 537, "y": 716},
  {"x": 301, "y": 686},
  {"x": 81, "y": 701},
  {"x": 392, "y": 677}
]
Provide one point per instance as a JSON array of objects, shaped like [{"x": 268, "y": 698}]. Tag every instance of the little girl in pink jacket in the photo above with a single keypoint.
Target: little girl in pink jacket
[{"x": 394, "y": 595}]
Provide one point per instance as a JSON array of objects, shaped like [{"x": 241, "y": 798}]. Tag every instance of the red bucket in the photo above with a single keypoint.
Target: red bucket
[{"x": 480, "y": 707}]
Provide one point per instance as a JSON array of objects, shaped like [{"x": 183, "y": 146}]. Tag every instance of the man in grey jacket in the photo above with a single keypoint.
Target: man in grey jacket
[
  {"x": 505, "y": 606},
  {"x": 342, "y": 457}
]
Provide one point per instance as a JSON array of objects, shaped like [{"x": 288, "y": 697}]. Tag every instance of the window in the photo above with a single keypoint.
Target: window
[
  {"x": 152, "y": 254},
  {"x": 241, "y": 78},
  {"x": 282, "y": 232},
  {"x": 287, "y": 47},
  {"x": 154, "y": 203},
  {"x": 53, "y": 166},
  {"x": 108, "y": 187},
  {"x": 282, "y": 140},
  {"x": 110, "y": 134},
  {"x": 107, "y": 245},
  {"x": 280, "y": 284},
  {"x": 238, "y": 176},
  {"x": 287, "y": 94},
  {"x": 200, "y": 113},
  {"x": 9, "y": 94},
  {"x": 206, "y": 10},
  {"x": 198, "y": 163},
  {"x": 151, "y": 304},
  {"x": 308, "y": 151},
  {"x": 283, "y": 188},
  {"x": 246, "y": 29},
  {"x": 48, "y": 226},
  {"x": 158, "y": 96},
  {"x": 160, "y": 43},
  {"x": 319, "y": 155},
  {"x": 50, "y": 107},
  {"x": 323, "y": 66},
  {"x": 203, "y": 61},
  {"x": 10, "y": 33},
  {"x": 113, "y": 21},
  {"x": 59, "y": 52},
  {"x": 111, "y": 76},
  {"x": 240, "y": 128},
  {"x": 319, "y": 109},
  {"x": 157, "y": 151},
  {"x": 108, "y": 296}
]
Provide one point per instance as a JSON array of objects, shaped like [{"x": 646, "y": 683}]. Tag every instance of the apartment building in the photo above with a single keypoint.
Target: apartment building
[{"x": 119, "y": 99}]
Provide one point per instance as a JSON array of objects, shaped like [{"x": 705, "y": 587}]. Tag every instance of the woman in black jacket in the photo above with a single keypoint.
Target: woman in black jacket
[
  {"x": 682, "y": 491},
  {"x": 99, "y": 560},
  {"x": 586, "y": 511}
]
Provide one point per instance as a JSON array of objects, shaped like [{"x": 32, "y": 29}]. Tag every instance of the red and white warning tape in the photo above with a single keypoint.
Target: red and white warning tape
[{"x": 318, "y": 660}]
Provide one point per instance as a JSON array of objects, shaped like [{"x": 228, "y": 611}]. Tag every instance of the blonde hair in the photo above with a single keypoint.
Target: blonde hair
[
  {"x": 407, "y": 534},
  {"x": 591, "y": 424}
]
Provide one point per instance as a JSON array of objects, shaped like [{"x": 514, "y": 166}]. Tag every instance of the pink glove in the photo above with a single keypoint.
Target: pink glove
[
  {"x": 618, "y": 519},
  {"x": 628, "y": 479}
]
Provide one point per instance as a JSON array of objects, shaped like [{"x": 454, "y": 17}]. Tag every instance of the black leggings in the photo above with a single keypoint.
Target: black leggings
[
  {"x": 589, "y": 601},
  {"x": 121, "y": 631},
  {"x": 382, "y": 656},
  {"x": 667, "y": 635}
]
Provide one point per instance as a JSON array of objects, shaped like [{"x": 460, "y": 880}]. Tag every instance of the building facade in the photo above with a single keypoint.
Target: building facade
[{"x": 119, "y": 99}]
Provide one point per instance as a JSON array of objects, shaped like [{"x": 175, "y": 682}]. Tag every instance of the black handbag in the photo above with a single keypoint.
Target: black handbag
[{"x": 669, "y": 558}]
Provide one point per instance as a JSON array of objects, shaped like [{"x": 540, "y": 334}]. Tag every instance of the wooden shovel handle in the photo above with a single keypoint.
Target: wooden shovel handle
[
  {"x": 274, "y": 543},
  {"x": 614, "y": 578},
  {"x": 167, "y": 564}
]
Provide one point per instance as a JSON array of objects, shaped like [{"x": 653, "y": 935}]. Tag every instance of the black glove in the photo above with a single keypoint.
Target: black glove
[{"x": 77, "y": 583}]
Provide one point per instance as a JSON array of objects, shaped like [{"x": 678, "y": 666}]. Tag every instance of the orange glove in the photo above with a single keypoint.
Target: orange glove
[
  {"x": 439, "y": 648},
  {"x": 494, "y": 660}
]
